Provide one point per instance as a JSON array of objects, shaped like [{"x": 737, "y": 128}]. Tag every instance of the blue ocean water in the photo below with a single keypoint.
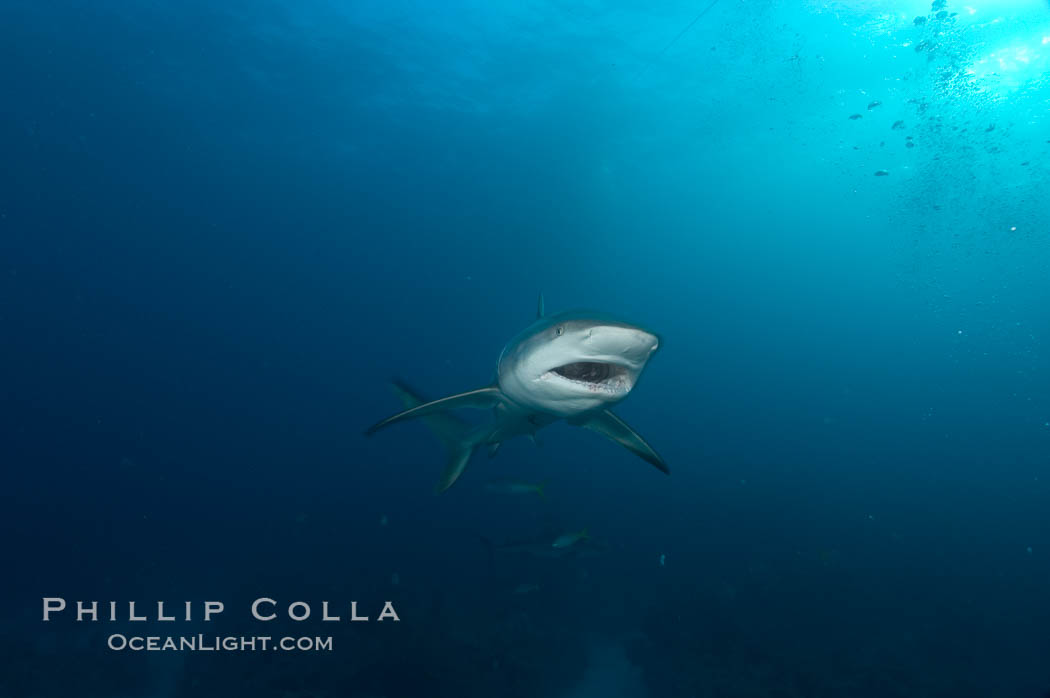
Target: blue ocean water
[{"x": 226, "y": 226}]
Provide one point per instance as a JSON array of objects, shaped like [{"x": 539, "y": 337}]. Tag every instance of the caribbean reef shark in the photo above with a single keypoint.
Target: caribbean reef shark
[{"x": 570, "y": 365}]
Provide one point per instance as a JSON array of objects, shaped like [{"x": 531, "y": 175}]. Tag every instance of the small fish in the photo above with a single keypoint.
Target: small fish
[
  {"x": 515, "y": 487},
  {"x": 567, "y": 540},
  {"x": 542, "y": 546},
  {"x": 854, "y": 117},
  {"x": 990, "y": 129},
  {"x": 663, "y": 560},
  {"x": 872, "y": 105},
  {"x": 526, "y": 588},
  {"x": 920, "y": 20},
  {"x": 881, "y": 173},
  {"x": 909, "y": 144},
  {"x": 897, "y": 125},
  {"x": 383, "y": 520}
]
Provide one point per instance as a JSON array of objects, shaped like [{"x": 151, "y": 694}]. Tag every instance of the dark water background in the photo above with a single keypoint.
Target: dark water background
[{"x": 225, "y": 225}]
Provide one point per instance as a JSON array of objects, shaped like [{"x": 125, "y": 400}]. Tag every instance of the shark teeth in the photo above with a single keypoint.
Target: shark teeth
[
  {"x": 596, "y": 376},
  {"x": 585, "y": 371}
]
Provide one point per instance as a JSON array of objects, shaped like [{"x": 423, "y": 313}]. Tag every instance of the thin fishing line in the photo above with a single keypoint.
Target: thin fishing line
[
  {"x": 687, "y": 28},
  {"x": 680, "y": 34}
]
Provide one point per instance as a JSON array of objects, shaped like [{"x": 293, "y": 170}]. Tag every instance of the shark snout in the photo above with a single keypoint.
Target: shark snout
[{"x": 619, "y": 344}]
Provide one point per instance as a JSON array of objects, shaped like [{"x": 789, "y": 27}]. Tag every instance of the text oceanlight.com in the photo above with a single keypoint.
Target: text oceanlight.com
[{"x": 215, "y": 643}]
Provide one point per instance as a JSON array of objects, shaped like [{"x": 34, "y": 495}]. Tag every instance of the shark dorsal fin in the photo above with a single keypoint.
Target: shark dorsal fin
[{"x": 539, "y": 307}]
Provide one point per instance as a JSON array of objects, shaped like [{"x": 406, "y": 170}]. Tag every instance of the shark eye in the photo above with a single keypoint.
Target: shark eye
[{"x": 558, "y": 331}]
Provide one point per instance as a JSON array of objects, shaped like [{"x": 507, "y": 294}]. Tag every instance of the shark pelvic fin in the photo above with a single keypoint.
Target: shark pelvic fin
[
  {"x": 612, "y": 427},
  {"x": 482, "y": 398},
  {"x": 459, "y": 438},
  {"x": 458, "y": 458}
]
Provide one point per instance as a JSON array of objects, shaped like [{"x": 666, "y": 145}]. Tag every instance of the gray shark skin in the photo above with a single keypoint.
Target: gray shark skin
[{"x": 570, "y": 365}]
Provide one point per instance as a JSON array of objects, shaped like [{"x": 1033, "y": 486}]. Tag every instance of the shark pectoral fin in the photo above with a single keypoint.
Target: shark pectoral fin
[
  {"x": 609, "y": 425},
  {"x": 482, "y": 398},
  {"x": 493, "y": 448}
]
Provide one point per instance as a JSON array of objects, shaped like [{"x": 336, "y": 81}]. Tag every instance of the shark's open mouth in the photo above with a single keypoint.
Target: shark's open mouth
[{"x": 590, "y": 372}]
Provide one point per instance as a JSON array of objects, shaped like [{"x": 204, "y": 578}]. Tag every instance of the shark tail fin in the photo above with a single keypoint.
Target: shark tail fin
[
  {"x": 540, "y": 489},
  {"x": 446, "y": 426},
  {"x": 584, "y": 535},
  {"x": 458, "y": 436}
]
